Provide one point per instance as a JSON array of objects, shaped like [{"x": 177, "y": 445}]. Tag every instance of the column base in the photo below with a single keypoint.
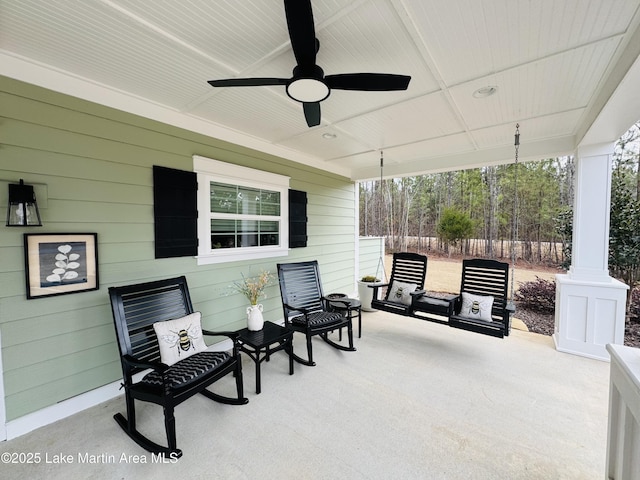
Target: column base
[{"x": 589, "y": 315}]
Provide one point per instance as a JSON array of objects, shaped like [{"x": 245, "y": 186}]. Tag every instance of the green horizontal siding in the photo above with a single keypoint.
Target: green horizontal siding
[
  {"x": 96, "y": 164},
  {"x": 369, "y": 258}
]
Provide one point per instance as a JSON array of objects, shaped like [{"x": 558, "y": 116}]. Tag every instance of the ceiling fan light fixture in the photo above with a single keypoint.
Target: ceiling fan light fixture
[{"x": 308, "y": 90}]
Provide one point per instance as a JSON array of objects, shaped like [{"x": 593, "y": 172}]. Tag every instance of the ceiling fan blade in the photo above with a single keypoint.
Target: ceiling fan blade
[
  {"x": 312, "y": 113},
  {"x": 301, "y": 30},
  {"x": 377, "y": 82},
  {"x": 248, "y": 82}
]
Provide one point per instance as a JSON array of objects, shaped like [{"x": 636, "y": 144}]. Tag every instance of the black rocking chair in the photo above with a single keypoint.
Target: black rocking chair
[
  {"x": 482, "y": 280},
  {"x": 407, "y": 269},
  {"x": 306, "y": 310},
  {"x": 135, "y": 309}
]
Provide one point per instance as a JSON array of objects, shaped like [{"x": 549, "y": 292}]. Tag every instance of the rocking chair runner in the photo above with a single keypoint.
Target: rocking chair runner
[
  {"x": 483, "y": 305},
  {"x": 135, "y": 309},
  {"x": 306, "y": 310},
  {"x": 407, "y": 281}
]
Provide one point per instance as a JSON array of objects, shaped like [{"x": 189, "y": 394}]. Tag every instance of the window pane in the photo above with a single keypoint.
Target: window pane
[
  {"x": 270, "y": 203},
  {"x": 247, "y": 226},
  {"x": 223, "y": 198},
  {"x": 223, "y": 234},
  {"x": 248, "y": 201},
  {"x": 247, "y": 240},
  {"x": 239, "y": 201},
  {"x": 269, "y": 233},
  {"x": 269, "y": 227},
  {"x": 247, "y": 233},
  {"x": 221, "y": 226}
]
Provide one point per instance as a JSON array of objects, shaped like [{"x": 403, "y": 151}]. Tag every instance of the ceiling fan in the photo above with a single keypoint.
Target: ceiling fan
[{"x": 309, "y": 85}]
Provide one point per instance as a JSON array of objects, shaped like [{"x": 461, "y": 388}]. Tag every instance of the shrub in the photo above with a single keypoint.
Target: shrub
[
  {"x": 634, "y": 305},
  {"x": 454, "y": 226},
  {"x": 538, "y": 296},
  {"x": 370, "y": 279}
]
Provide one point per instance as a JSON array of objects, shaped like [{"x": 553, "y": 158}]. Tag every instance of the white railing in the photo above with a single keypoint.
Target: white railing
[{"x": 623, "y": 440}]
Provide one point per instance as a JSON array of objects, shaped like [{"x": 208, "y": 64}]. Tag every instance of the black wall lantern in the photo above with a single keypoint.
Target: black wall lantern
[{"x": 23, "y": 208}]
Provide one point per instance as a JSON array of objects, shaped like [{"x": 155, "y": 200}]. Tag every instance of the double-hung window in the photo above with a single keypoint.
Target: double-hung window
[{"x": 242, "y": 212}]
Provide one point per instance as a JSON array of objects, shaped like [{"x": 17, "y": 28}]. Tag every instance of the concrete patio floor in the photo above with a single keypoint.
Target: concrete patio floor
[{"x": 418, "y": 400}]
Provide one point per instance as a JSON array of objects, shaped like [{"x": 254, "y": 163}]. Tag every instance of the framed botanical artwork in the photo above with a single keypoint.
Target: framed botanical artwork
[{"x": 60, "y": 263}]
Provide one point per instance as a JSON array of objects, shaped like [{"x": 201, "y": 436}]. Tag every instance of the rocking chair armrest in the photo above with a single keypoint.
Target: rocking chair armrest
[
  {"x": 232, "y": 335},
  {"x": 134, "y": 362},
  {"x": 378, "y": 285},
  {"x": 304, "y": 311},
  {"x": 417, "y": 293},
  {"x": 342, "y": 304}
]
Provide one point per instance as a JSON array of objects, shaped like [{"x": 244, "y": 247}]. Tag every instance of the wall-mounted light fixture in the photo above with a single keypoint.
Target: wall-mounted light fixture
[{"x": 23, "y": 208}]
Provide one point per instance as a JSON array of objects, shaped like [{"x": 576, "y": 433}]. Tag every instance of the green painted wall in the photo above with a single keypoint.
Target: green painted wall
[
  {"x": 94, "y": 165},
  {"x": 369, "y": 258}
]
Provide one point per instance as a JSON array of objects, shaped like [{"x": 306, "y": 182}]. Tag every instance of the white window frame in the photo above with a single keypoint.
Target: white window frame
[{"x": 209, "y": 170}]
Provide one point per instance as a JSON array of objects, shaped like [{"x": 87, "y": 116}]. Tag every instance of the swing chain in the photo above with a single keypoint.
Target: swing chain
[
  {"x": 514, "y": 230},
  {"x": 381, "y": 258}
]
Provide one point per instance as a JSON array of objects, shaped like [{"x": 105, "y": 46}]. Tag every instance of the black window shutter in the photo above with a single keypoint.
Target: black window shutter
[
  {"x": 297, "y": 219},
  {"x": 175, "y": 212}
]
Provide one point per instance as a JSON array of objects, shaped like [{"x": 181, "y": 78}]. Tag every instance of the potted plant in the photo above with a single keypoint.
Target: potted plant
[
  {"x": 366, "y": 293},
  {"x": 253, "y": 289}
]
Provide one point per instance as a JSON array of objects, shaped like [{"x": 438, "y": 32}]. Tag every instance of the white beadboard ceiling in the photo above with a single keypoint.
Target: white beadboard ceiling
[{"x": 566, "y": 70}]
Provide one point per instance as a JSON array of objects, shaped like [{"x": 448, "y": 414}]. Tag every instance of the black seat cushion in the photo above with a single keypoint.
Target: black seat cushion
[
  {"x": 317, "y": 319},
  {"x": 188, "y": 370}
]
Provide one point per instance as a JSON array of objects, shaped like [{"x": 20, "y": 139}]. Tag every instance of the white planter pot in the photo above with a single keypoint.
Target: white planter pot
[{"x": 366, "y": 295}]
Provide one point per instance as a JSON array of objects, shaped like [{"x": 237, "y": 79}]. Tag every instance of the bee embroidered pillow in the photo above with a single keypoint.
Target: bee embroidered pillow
[
  {"x": 401, "y": 292},
  {"x": 179, "y": 338},
  {"x": 476, "y": 307}
]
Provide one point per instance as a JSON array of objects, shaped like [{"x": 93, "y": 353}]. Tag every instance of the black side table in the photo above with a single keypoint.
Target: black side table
[
  {"x": 257, "y": 343},
  {"x": 351, "y": 307}
]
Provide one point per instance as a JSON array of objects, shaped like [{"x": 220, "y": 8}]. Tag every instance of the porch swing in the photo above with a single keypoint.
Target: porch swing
[{"x": 483, "y": 305}]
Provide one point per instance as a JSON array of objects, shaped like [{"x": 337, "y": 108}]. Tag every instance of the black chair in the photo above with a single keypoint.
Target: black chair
[
  {"x": 135, "y": 309},
  {"x": 482, "y": 279},
  {"x": 306, "y": 310},
  {"x": 407, "y": 269}
]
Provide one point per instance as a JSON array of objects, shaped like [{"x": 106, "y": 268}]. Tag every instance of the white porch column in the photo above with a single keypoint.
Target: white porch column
[{"x": 590, "y": 305}]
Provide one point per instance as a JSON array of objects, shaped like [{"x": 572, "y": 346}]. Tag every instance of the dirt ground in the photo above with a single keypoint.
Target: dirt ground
[{"x": 444, "y": 274}]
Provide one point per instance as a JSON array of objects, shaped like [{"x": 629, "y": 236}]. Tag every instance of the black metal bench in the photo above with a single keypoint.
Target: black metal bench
[{"x": 135, "y": 309}]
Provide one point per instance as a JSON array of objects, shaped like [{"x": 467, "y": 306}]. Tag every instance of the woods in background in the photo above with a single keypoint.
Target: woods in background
[
  {"x": 472, "y": 211},
  {"x": 478, "y": 212}
]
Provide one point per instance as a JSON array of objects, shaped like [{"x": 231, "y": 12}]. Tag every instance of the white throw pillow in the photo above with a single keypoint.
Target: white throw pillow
[
  {"x": 180, "y": 338},
  {"x": 476, "y": 307},
  {"x": 401, "y": 292}
]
